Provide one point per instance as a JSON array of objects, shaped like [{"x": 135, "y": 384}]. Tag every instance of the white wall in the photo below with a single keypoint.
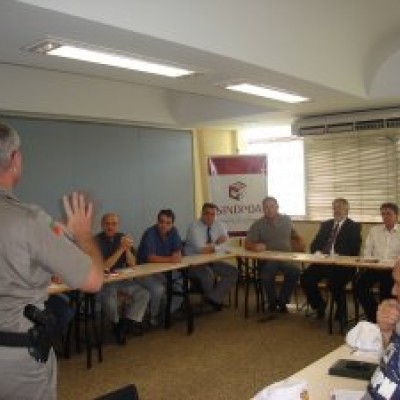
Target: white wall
[
  {"x": 30, "y": 90},
  {"x": 133, "y": 171}
]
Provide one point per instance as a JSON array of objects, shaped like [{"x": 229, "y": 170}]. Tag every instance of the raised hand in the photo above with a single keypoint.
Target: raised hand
[{"x": 79, "y": 213}]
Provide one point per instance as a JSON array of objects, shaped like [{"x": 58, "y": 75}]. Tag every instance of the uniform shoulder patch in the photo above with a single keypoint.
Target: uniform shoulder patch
[{"x": 56, "y": 228}]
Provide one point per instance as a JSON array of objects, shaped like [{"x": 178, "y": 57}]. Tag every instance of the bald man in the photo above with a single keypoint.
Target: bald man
[{"x": 116, "y": 249}]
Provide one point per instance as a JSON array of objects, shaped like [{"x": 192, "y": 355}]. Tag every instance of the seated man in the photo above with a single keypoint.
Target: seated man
[
  {"x": 116, "y": 249},
  {"x": 339, "y": 235},
  {"x": 385, "y": 383},
  {"x": 160, "y": 243},
  {"x": 204, "y": 236},
  {"x": 274, "y": 231},
  {"x": 383, "y": 242}
]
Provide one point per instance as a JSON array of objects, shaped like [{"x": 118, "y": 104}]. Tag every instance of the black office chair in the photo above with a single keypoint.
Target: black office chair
[{"x": 128, "y": 392}]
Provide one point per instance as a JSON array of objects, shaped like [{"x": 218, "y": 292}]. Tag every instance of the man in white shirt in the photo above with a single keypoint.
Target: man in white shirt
[
  {"x": 383, "y": 243},
  {"x": 205, "y": 236}
]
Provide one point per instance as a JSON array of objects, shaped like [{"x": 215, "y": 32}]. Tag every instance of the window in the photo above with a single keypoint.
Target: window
[
  {"x": 285, "y": 164},
  {"x": 361, "y": 167}
]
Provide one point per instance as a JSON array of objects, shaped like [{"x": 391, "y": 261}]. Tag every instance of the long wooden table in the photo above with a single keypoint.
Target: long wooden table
[
  {"x": 139, "y": 271},
  {"x": 303, "y": 259},
  {"x": 233, "y": 252},
  {"x": 308, "y": 258},
  {"x": 191, "y": 261},
  {"x": 123, "y": 274}
]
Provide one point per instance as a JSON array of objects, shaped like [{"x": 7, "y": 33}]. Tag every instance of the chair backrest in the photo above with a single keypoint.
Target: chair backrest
[{"x": 128, "y": 392}]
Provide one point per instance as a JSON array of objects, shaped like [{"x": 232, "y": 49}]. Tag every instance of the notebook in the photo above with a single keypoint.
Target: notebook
[{"x": 353, "y": 369}]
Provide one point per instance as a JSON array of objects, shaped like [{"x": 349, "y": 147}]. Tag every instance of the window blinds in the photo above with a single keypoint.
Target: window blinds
[{"x": 363, "y": 168}]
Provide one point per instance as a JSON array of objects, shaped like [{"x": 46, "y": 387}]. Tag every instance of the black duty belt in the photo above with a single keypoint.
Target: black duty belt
[{"x": 14, "y": 339}]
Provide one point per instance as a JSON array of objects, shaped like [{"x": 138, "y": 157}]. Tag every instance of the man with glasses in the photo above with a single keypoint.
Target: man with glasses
[
  {"x": 117, "y": 248},
  {"x": 383, "y": 243},
  {"x": 205, "y": 236}
]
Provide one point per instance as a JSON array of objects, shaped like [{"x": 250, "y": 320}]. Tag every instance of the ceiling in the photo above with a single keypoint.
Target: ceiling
[{"x": 343, "y": 54}]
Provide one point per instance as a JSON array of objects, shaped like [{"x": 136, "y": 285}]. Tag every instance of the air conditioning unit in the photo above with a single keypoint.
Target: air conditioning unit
[{"x": 357, "y": 121}]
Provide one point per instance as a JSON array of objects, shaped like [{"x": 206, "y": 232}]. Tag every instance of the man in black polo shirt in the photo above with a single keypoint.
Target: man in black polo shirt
[{"x": 116, "y": 249}]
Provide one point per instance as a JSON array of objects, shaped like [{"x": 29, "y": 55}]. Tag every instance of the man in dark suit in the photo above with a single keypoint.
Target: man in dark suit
[{"x": 339, "y": 235}]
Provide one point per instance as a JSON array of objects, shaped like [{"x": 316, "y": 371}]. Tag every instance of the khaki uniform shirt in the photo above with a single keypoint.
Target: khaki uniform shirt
[{"x": 32, "y": 249}]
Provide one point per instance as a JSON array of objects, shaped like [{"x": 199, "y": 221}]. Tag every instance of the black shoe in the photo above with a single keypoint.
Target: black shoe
[
  {"x": 132, "y": 327},
  {"x": 321, "y": 311},
  {"x": 179, "y": 314},
  {"x": 137, "y": 329},
  {"x": 119, "y": 333},
  {"x": 216, "y": 306},
  {"x": 272, "y": 308},
  {"x": 282, "y": 308},
  {"x": 157, "y": 321}
]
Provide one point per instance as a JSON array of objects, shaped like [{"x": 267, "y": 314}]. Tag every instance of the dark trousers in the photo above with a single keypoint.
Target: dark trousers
[
  {"x": 363, "y": 290},
  {"x": 337, "y": 278},
  {"x": 268, "y": 272}
]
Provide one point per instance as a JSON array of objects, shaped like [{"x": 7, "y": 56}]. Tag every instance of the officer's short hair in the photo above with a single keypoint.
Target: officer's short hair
[{"x": 9, "y": 143}]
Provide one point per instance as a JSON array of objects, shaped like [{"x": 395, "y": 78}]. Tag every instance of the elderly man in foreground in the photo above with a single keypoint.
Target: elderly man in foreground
[{"x": 385, "y": 383}]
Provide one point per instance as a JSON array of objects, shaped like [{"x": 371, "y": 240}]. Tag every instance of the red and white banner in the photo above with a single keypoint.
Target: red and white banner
[{"x": 237, "y": 185}]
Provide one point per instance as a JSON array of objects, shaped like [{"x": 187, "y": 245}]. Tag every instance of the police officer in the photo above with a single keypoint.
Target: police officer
[{"x": 33, "y": 247}]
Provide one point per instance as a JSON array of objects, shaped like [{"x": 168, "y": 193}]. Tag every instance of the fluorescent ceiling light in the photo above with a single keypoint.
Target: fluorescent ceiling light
[
  {"x": 269, "y": 93},
  {"x": 107, "y": 58}
]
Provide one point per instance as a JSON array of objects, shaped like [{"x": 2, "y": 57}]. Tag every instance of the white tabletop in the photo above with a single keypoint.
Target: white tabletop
[
  {"x": 308, "y": 258},
  {"x": 139, "y": 271},
  {"x": 320, "y": 383}
]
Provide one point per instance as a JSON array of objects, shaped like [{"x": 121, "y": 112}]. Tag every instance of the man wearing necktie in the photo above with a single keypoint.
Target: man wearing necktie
[
  {"x": 339, "y": 235},
  {"x": 204, "y": 236}
]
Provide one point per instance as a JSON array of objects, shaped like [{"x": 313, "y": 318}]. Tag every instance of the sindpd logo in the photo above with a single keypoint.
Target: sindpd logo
[{"x": 237, "y": 190}]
